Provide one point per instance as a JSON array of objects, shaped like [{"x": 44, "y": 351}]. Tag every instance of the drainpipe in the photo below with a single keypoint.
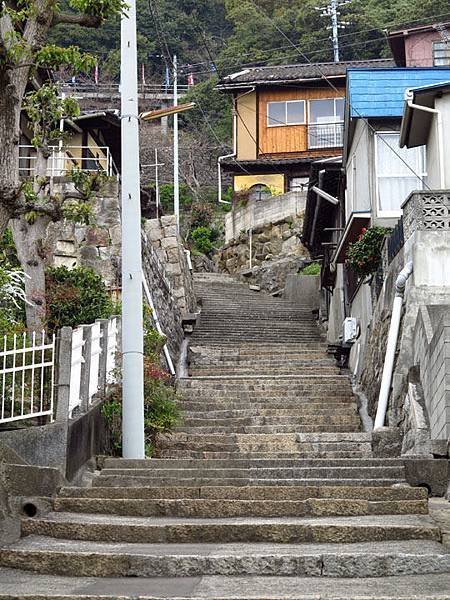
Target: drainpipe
[
  {"x": 388, "y": 368},
  {"x": 440, "y": 133},
  {"x": 233, "y": 154}
]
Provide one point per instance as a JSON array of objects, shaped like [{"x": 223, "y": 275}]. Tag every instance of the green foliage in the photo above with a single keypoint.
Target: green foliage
[
  {"x": 8, "y": 252},
  {"x": 201, "y": 214},
  {"x": 12, "y": 301},
  {"x": 99, "y": 8},
  {"x": 75, "y": 296},
  {"x": 153, "y": 341},
  {"x": 203, "y": 239},
  {"x": 55, "y": 57},
  {"x": 166, "y": 196},
  {"x": 45, "y": 109},
  {"x": 364, "y": 255},
  {"x": 311, "y": 269}
]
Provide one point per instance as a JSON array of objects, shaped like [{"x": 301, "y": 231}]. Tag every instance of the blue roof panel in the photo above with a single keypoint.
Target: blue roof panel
[{"x": 381, "y": 92}]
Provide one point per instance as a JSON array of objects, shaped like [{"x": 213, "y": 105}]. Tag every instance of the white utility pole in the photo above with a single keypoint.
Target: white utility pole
[
  {"x": 158, "y": 200},
  {"x": 332, "y": 12},
  {"x": 176, "y": 183},
  {"x": 133, "y": 440}
]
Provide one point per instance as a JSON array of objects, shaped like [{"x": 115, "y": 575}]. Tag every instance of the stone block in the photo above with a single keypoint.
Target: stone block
[
  {"x": 170, "y": 231},
  {"x": 431, "y": 473},
  {"x": 168, "y": 221},
  {"x": 153, "y": 230},
  {"x": 172, "y": 254},
  {"x": 169, "y": 242},
  {"x": 98, "y": 236},
  {"x": 89, "y": 253},
  {"x": 439, "y": 448},
  {"x": 386, "y": 442},
  {"x": 173, "y": 268}
]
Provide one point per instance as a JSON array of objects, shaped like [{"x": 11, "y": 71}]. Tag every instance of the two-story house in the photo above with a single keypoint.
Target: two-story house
[
  {"x": 421, "y": 46},
  {"x": 379, "y": 176},
  {"x": 285, "y": 117}
]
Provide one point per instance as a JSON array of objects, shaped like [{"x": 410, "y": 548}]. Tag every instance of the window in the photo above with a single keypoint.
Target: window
[
  {"x": 399, "y": 171},
  {"x": 441, "y": 54},
  {"x": 326, "y": 123},
  {"x": 298, "y": 184},
  {"x": 259, "y": 191},
  {"x": 291, "y": 112}
]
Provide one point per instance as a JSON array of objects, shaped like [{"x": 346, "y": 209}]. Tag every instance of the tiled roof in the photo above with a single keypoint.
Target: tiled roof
[{"x": 299, "y": 72}]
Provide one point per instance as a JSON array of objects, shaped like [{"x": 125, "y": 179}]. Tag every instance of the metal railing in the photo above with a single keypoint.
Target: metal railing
[
  {"x": 27, "y": 373},
  {"x": 157, "y": 89},
  {"x": 64, "y": 160},
  {"x": 395, "y": 241},
  {"x": 325, "y": 135}
]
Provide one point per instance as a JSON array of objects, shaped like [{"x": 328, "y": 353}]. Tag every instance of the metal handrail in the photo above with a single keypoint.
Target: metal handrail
[{"x": 63, "y": 160}]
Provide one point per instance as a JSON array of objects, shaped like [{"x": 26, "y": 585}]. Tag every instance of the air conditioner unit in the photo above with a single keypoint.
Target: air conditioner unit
[{"x": 350, "y": 327}]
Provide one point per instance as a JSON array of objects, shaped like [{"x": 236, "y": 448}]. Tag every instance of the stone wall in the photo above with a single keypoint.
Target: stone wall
[
  {"x": 257, "y": 213},
  {"x": 277, "y": 242},
  {"x": 97, "y": 245},
  {"x": 162, "y": 234}
]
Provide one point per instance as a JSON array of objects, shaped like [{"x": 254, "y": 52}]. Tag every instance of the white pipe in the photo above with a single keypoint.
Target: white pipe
[
  {"x": 440, "y": 133},
  {"x": 389, "y": 359}
]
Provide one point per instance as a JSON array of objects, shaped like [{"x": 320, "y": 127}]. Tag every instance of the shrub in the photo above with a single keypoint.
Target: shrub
[
  {"x": 203, "y": 238},
  {"x": 364, "y": 255},
  {"x": 311, "y": 269},
  {"x": 201, "y": 214},
  {"x": 12, "y": 301},
  {"x": 166, "y": 196},
  {"x": 75, "y": 296}
]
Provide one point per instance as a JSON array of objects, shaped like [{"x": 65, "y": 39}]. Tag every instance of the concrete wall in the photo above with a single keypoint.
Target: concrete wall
[
  {"x": 258, "y": 213},
  {"x": 433, "y": 163},
  {"x": 432, "y": 354},
  {"x": 419, "y": 50},
  {"x": 336, "y": 309}
]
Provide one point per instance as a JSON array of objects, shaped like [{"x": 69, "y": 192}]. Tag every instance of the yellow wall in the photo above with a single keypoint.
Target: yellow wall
[
  {"x": 274, "y": 182},
  {"x": 246, "y": 135}
]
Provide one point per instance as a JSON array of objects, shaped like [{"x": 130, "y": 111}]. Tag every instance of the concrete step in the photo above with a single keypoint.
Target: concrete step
[
  {"x": 112, "y": 528},
  {"x": 20, "y": 585},
  {"x": 271, "y": 420},
  {"x": 352, "y": 425},
  {"x": 257, "y": 412},
  {"x": 360, "y": 452},
  {"x": 102, "y": 559}
]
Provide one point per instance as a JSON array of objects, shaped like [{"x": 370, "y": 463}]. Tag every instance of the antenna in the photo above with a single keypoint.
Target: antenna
[{"x": 332, "y": 12}]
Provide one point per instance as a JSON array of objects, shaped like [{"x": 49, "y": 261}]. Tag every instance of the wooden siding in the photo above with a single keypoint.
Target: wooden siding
[{"x": 290, "y": 141}]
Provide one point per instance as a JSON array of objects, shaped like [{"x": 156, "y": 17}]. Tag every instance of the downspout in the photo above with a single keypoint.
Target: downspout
[
  {"x": 389, "y": 360},
  {"x": 233, "y": 154},
  {"x": 440, "y": 133}
]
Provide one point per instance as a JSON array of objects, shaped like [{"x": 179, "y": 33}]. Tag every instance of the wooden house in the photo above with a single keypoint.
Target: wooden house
[{"x": 285, "y": 117}]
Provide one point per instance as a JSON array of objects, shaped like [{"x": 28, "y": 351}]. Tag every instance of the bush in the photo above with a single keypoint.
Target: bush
[
  {"x": 201, "y": 214},
  {"x": 75, "y": 296},
  {"x": 203, "y": 238},
  {"x": 364, "y": 255},
  {"x": 166, "y": 196},
  {"x": 311, "y": 269}
]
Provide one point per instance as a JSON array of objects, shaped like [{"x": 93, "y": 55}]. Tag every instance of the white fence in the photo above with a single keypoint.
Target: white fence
[
  {"x": 58, "y": 376},
  {"x": 27, "y": 374},
  {"x": 63, "y": 160}
]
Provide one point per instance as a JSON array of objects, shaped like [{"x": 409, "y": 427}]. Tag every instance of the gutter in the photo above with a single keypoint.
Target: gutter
[
  {"x": 391, "y": 348},
  {"x": 409, "y": 97}
]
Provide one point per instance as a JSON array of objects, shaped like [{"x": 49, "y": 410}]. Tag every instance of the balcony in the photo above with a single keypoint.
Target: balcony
[
  {"x": 325, "y": 135},
  {"x": 64, "y": 160}
]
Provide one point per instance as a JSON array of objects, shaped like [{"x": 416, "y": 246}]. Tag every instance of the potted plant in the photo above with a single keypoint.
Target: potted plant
[{"x": 364, "y": 255}]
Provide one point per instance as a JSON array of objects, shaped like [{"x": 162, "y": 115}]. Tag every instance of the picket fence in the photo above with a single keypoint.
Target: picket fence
[{"x": 49, "y": 376}]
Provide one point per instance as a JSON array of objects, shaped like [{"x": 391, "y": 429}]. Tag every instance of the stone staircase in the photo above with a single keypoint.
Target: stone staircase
[{"x": 268, "y": 490}]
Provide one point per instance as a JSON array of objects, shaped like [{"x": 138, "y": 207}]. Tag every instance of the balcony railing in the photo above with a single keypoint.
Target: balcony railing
[
  {"x": 64, "y": 160},
  {"x": 325, "y": 135}
]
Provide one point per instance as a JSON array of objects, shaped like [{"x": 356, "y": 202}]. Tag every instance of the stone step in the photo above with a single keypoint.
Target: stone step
[
  {"x": 168, "y": 530},
  {"x": 221, "y": 402},
  {"x": 183, "y": 453},
  {"x": 102, "y": 559},
  {"x": 22, "y": 585},
  {"x": 352, "y": 425},
  {"x": 356, "y": 492},
  {"x": 129, "y": 480},
  {"x": 249, "y": 370},
  {"x": 208, "y": 508},
  {"x": 271, "y": 420},
  {"x": 257, "y": 412}
]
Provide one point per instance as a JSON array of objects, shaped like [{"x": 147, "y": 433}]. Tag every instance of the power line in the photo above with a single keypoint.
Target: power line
[{"x": 330, "y": 83}]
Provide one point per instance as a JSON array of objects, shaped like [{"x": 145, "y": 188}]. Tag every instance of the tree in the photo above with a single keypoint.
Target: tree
[{"x": 24, "y": 29}]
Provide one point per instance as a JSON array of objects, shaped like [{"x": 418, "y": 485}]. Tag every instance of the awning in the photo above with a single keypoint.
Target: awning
[{"x": 352, "y": 230}]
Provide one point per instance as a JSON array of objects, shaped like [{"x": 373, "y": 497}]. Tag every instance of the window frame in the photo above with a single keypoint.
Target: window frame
[
  {"x": 445, "y": 49},
  {"x": 334, "y": 105},
  {"x": 285, "y": 102},
  {"x": 422, "y": 174}
]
